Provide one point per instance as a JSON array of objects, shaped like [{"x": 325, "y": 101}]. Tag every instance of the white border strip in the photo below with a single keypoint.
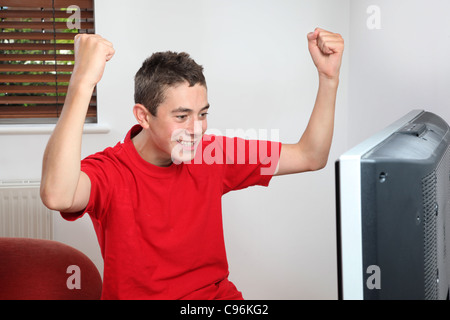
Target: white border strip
[{"x": 350, "y": 191}]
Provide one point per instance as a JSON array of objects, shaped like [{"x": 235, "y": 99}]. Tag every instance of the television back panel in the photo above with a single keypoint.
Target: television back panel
[{"x": 393, "y": 199}]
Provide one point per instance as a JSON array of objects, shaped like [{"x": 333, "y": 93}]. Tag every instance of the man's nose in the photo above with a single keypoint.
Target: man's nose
[{"x": 195, "y": 127}]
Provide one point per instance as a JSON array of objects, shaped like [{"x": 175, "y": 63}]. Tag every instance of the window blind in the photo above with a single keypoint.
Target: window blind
[{"x": 37, "y": 57}]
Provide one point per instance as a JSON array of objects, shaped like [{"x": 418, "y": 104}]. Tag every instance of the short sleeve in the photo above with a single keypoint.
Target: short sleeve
[
  {"x": 98, "y": 168},
  {"x": 248, "y": 162}
]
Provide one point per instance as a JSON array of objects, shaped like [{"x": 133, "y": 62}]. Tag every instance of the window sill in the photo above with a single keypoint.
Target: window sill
[{"x": 89, "y": 128}]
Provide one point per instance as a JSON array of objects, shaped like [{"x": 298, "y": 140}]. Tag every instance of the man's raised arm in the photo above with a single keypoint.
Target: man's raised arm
[
  {"x": 63, "y": 186},
  {"x": 311, "y": 152}
]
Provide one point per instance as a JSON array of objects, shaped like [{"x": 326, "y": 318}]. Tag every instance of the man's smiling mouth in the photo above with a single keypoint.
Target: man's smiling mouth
[
  {"x": 186, "y": 143},
  {"x": 190, "y": 144}
]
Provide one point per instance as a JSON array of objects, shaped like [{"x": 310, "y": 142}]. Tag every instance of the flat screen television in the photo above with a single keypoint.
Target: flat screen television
[{"x": 393, "y": 212}]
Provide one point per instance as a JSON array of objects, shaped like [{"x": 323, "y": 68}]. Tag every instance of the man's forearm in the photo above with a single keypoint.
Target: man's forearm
[{"x": 317, "y": 137}]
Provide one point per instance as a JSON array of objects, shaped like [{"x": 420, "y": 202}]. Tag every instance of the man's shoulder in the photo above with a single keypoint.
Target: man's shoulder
[
  {"x": 115, "y": 151},
  {"x": 106, "y": 160},
  {"x": 108, "y": 152}
]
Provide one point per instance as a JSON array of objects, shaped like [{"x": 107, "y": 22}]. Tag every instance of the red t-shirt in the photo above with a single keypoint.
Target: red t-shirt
[{"x": 160, "y": 228}]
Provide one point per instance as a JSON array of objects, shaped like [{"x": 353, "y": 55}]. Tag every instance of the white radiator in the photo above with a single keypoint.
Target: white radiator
[{"x": 22, "y": 213}]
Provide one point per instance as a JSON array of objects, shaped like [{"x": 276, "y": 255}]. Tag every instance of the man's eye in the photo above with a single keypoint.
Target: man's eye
[
  {"x": 203, "y": 115},
  {"x": 181, "y": 117}
]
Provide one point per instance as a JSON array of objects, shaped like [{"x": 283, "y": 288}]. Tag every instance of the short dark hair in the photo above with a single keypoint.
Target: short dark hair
[{"x": 162, "y": 70}]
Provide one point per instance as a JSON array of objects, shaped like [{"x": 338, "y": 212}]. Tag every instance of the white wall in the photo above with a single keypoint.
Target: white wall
[
  {"x": 281, "y": 239},
  {"x": 400, "y": 67}
]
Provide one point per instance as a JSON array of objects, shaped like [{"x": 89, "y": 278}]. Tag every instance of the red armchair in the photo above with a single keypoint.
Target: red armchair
[{"x": 35, "y": 269}]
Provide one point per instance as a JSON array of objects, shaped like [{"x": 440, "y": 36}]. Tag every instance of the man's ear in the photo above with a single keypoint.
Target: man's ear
[{"x": 142, "y": 115}]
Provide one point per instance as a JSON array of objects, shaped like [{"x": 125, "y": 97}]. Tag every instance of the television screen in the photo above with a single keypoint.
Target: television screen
[{"x": 393, "y": 212}]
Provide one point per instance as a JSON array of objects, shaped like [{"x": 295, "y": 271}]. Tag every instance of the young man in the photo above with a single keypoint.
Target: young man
[{"x": 155, "y": 198}]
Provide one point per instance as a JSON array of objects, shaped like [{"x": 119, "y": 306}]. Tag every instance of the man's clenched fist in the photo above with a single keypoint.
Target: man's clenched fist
[
  {"x": 326, "y": 50},
  {"x": 91, "y": 54}
]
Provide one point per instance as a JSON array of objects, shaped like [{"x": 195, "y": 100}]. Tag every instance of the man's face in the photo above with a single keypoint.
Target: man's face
[{"x": 180, "y": 123}]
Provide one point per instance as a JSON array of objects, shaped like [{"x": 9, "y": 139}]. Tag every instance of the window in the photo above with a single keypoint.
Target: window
[{"x": 36, "y": 57}]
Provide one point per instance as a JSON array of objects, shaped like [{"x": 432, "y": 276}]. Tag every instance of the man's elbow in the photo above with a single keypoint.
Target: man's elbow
[
  {"x": 318, "y": 164},
  {"x": 55, "y": 202},
  {"x": 311, "y": 159}
]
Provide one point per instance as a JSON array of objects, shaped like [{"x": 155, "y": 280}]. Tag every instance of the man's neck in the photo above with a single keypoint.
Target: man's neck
[{"x": 148, "y": 150}]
